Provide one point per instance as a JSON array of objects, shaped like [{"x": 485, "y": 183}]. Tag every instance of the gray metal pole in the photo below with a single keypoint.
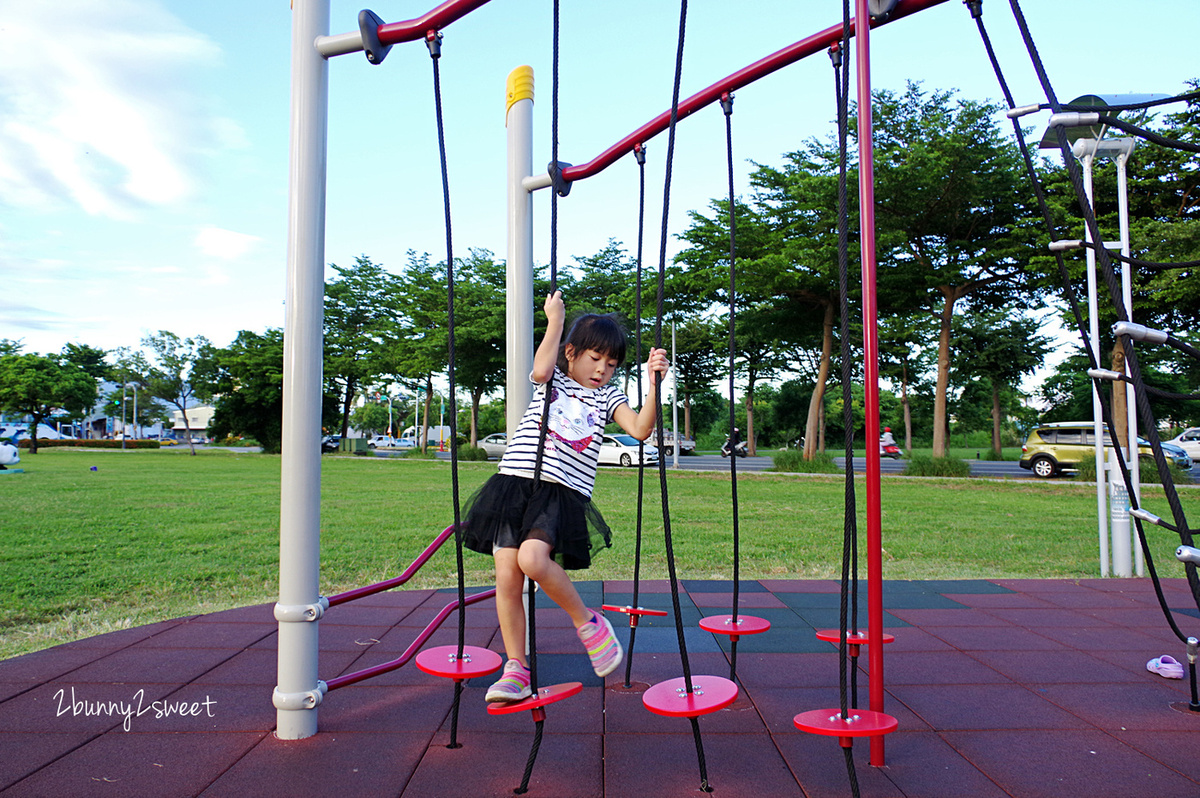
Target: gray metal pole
[
  {"x": 298, "y": 692},
  {"x": 519, "y": 279}
]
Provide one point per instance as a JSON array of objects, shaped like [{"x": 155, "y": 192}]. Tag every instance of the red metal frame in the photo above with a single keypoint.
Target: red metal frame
[
  {"x": 409, "y": 572},
  {"x": 413, "y": 648},
  {"x": 816, "y": 43},
  {"x": 410, "y": 30}
]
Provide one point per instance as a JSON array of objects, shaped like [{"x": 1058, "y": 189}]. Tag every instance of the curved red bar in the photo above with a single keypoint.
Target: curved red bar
[
  {"x": 413, "y": 29},
  {"x": 413, "y": 648},
  {"x": 379, "y": 587},
  {"x": 743, "y": 77}
]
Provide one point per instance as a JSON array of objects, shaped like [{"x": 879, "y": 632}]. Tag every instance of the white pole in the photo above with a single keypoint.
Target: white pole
[
  {"x": 675, "y": 401},
  {"x": 1131, "y": 454},
  {"x": 298, "y": 692},
  {"x": 1085, "y": 151},
  {"x": 519, "y": 279}
]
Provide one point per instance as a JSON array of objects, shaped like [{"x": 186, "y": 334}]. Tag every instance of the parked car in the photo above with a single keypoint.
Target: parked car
[
  {"x": 1054, "y": 448},
  {"x": 623, "y": 450},
  {"x": 686, "y": 444},
  {"x": 1189, "y": 441},
  {"x": 386, "y": 442},
  {"x": 168, "y": 442},
  {"x": 330, "y": 443},
  {"x": 495, "y": 444}
]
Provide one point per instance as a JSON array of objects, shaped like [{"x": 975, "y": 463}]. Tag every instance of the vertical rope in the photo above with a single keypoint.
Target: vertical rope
[
  {"x": 640, "y": 154},
  {"x": 727, "y": 108},
  {"x": 434, "y": 42},
  {"x": 533, "y": 752},
  {"x": 662, "y": 266}
]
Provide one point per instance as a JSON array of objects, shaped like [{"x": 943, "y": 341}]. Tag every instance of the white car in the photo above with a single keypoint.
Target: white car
[
  {"x": 495, "y": 444},
  {"x": 1189, "y": 441},
  {"x": 387, "y": 442},
  {"x": 622, "y": 450}
]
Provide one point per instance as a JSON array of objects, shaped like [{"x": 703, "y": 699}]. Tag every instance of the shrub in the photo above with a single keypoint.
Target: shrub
[
  {"x": 1149, "y": 473},
  {"x": 469, "y": 452},
  {"x": 793, "y": 460},
  {"x": 89, "y": 443},
  {"x": 923, "y": 466}
]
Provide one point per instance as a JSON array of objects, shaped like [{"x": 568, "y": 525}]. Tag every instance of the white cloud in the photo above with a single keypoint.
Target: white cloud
[
  {"x": 95, "y": 105},
  {"x": 225, "y": 244}
]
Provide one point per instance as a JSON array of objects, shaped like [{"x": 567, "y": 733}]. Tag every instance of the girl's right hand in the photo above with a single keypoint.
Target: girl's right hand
[{"x": 555, "y": 310}]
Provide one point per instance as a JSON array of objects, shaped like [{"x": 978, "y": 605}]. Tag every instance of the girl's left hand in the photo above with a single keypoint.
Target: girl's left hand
[{"x": 657, "y": 362}]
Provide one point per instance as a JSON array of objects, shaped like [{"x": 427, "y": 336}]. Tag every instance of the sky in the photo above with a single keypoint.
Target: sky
[{"x": 144, "y": 143}]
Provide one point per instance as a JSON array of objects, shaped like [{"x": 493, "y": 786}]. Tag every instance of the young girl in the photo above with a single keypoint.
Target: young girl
[{"x": 538, "y": 529}]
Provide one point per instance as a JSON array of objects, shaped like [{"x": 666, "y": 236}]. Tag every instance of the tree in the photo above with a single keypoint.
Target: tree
[
  {"x": 1001, "y": 350},
  {"x": 362, "y": 315},
  {"x": 419, "y": 349},
  {"x": 39, "y": 385},
  {"x": 88, "y": 358},
  {"x": 479, "y": 329},
  {"x": 954, "y": 215},
  {"x": 903, "y": 360},
  {"x": 695, "y": 362},
  {"x": 177, "y": 372}
]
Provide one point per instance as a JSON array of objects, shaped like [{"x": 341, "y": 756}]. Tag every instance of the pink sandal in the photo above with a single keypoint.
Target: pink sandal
[{"x": 1166, "y": 666}]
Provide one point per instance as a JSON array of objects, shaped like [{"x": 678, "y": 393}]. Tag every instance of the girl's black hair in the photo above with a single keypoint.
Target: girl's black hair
[{"x": 602, "y": 333}]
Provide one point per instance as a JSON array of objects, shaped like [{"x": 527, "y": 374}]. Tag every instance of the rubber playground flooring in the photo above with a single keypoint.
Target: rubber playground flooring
[{"x": 1001, "y": 688}]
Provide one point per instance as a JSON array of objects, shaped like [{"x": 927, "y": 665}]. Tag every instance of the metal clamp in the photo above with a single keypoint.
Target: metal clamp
[
  {"x": 301, "y": 613},
  {"x": 307, "y": 699}
]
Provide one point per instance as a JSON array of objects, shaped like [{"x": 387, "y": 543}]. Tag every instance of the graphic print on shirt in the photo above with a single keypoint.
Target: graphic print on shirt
[{"x": 571, "y": 421}]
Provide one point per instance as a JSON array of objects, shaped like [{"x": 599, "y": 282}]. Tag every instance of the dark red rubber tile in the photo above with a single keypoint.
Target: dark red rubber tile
[
  {"x": 138, "y": 665},
  {"x": 477, "y": 616},
  {"x": 568, "y": 766},
  {"x": 666, "y": 764},
  {"x": 801, "y": 585},
  {"x": 258, "y": 666},
  {"x": 819, "y": 764},
  {"x": 647, "y": 586},
  {"x": 361, "y": 615},
  {"x": 780, "y": 707},
  {"x": 938, "y": 667},
  {"x": 70, "y": 707},
  {"x": 359, "y": 708},
  {"x": 788, "y": 670},
  {"x": 343, "y": 764},
  {"x": 943, "y": 617},
  {"x": 1043, "y": 764},
  {"x": 26, "y": 752},
  {"x": 1142, "y": 706},
  {"x": 983, "y": 706},
  {"x": 1176, "y": 750},
  {"x": 1052, "y": 617},
  {"x": 1052, "y": 667},
  {"x": 912, "y": 638},
  {"x": 1137, "y": 616},
  {"x": 694, "y": 586},
  {"x": 993, "y": 600},
  {"x": 50, "y": 663},
  {"x": 1038, "y": 586},
  {"x": 124, "y": 637},
  {"x": 745, "y": 601},
  {"x": 1097, "y": 640},
  {"x": 148, "y": 764},
  {"x": 257, "y": 613},
  {"x": 397, "y": 640},
  {"x": 1091, "y": 599},
  {"x": 198, "y": 634},
  {"x": 407, "y": 674},
  {"x": 994, "y": 638},
  {"x": 403, "y": 598}
]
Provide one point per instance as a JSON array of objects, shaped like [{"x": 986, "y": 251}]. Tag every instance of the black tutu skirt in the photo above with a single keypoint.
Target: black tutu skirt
[{"x": 508, "y": 510}]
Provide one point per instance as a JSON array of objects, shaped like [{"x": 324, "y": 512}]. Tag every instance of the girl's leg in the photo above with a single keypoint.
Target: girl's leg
[
  {"x": 534, "y": 560},
  {"x": 510, "y": 581}
]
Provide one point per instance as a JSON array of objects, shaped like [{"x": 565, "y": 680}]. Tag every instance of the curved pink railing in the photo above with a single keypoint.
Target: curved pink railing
[
  {"x": 743, "y": 77},
  {"x": 410, "y": 30},
  {"x": 409, "y": 572}
]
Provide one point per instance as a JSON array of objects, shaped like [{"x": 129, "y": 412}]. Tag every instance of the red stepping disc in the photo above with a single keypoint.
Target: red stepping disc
[
  {"x": 671, "y": 698},
  {"x": 444, "y": 661},
  {"x": 852, "y": 638},
  {"x": 544, "y": 696},
  {"x": 633, "y": 612},
  {"x": 724, "y": 625},
  {"x": 830, "y": 723}
]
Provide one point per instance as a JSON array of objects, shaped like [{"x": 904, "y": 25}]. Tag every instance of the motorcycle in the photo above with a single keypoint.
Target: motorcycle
[
  {"x": 890, "y": 450},
  {"x": 740, "y": 448}
]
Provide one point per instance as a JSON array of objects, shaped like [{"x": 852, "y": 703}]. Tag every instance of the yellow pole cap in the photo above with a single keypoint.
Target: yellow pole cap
[{"x": 520, "y": 86}]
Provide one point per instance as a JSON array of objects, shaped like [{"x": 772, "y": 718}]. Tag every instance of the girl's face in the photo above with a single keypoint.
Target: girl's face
[{"x": 590, "y": 368}]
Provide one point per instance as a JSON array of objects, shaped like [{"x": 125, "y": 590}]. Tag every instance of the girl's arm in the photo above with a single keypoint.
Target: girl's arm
[
  {"x": 640, "y": 424},
  {"x": 546, "y": 357}
]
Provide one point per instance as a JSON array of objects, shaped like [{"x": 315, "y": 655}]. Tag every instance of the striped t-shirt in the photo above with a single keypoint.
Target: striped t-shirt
[{"x": 577, "y": 418}]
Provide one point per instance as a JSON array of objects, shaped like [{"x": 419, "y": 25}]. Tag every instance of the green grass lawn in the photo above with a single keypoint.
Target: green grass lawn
[{"x": 150, "y": 535}]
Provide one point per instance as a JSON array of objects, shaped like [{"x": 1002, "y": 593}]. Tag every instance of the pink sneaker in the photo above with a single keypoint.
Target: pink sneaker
[
  {"x": 512, "y": 686},
  {"x": 602, "y": 645}
]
